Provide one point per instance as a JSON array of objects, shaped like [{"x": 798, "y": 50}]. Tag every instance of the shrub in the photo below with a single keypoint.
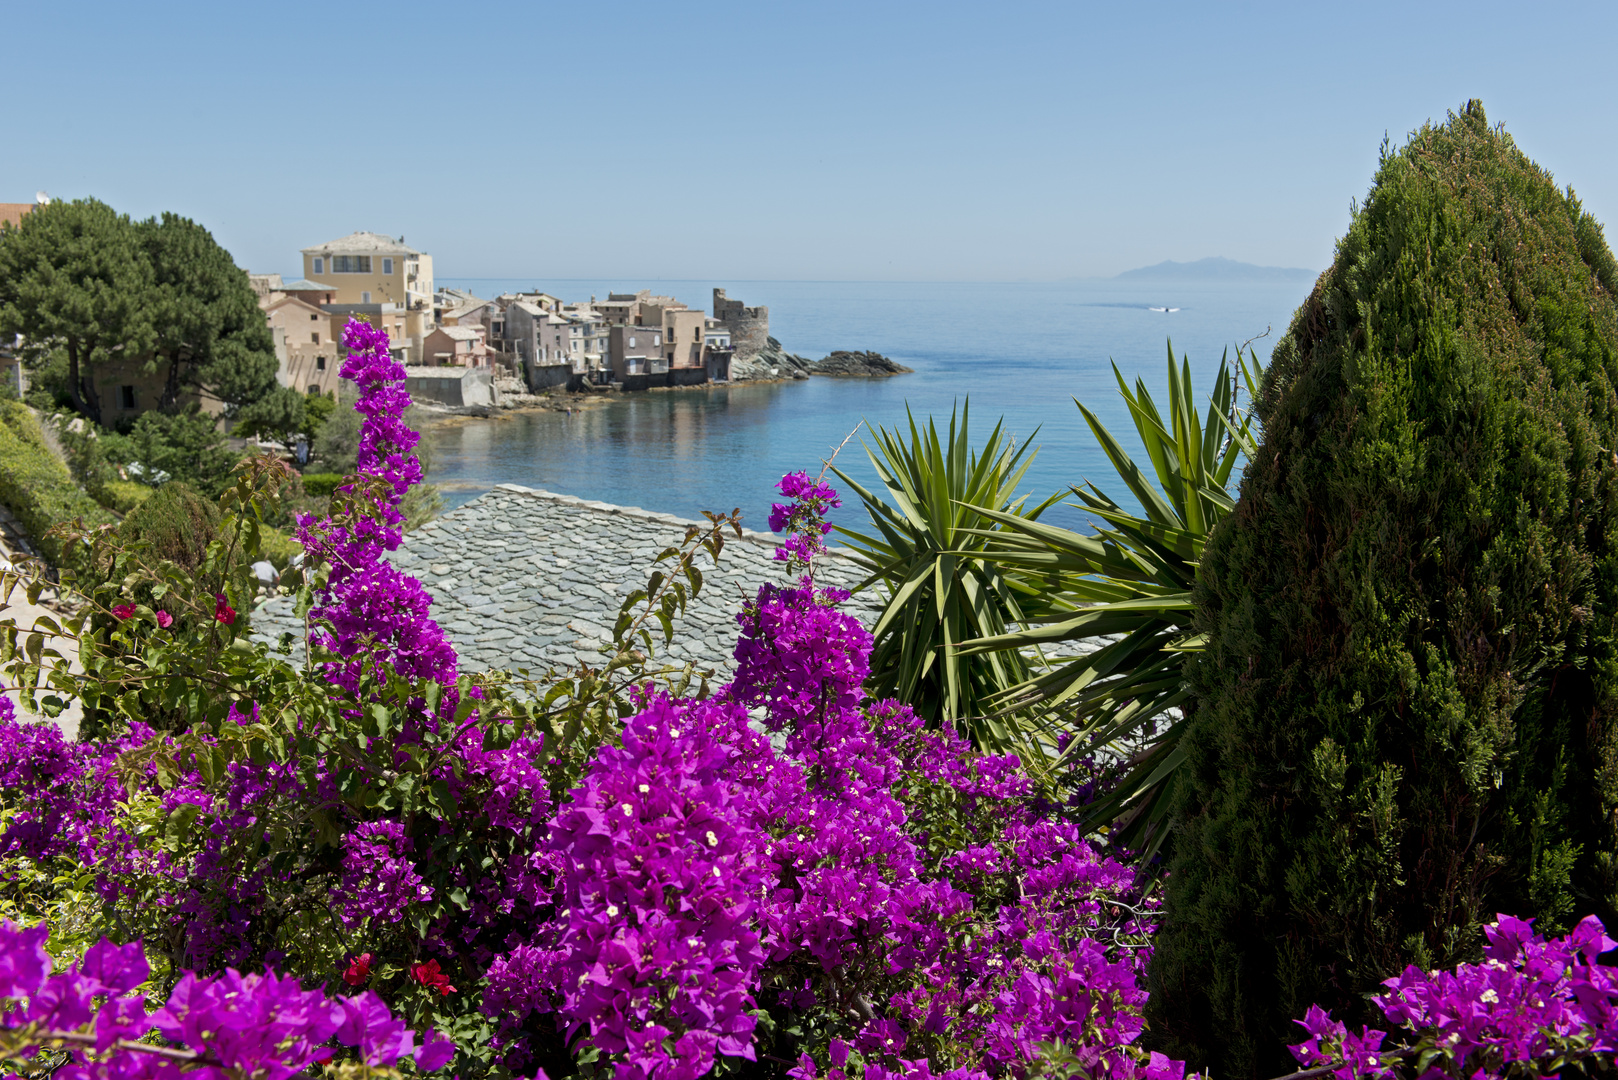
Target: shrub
[
  {"x": 185, "y": 446},
  {"x": 1410, "y": 688},
  {"x": 36, "y": 486},
  {"x": 925, "y": 528},
  {"x": 122, "y": 496},
  {"x": 178, "y": 523},
  {"x": 321, "y": 484}
]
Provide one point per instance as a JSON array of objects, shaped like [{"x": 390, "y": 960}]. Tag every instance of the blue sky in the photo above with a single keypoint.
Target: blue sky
[{"x": 826, "y": 140}]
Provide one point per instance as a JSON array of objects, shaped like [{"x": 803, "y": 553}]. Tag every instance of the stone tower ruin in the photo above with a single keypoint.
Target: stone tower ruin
[{"x": 749, "y": 326}]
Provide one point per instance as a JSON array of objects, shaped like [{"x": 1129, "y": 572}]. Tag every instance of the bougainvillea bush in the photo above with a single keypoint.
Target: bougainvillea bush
[{"x": 620, "y": 867}]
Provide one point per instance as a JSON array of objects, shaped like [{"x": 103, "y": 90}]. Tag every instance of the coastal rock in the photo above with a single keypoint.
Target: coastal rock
[
  {"x": 866, "y": 365},
  {"x": 770, "y": 362}
]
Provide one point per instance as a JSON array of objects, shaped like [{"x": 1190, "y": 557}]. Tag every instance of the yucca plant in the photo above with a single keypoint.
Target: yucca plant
[
  {"x": 939, "y": 504},
  {"x": 1123, "y": 591}
]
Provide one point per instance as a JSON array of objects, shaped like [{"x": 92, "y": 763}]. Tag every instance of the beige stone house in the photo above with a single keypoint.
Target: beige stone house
[
  {"x": 456, "y": 346},
  {"x": 366, "y": 268},
  {"x": 682, "y": 338},
  {"x": 312, "y": 355}
]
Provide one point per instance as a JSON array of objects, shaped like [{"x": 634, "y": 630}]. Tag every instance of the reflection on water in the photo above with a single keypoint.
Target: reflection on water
[{"x": 1021, "y": 352}]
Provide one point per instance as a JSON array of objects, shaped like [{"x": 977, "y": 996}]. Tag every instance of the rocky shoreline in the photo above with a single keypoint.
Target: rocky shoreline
[
  {"x": 771, "y": 364},
  {"x": 774, "y": 364}
]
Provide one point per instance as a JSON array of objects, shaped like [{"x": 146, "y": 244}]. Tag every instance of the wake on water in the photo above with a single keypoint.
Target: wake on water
[{"x": 1163, "y": 309}]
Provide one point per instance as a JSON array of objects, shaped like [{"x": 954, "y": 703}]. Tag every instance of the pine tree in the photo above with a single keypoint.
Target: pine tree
[
  {"x": 73, "y": 274},
  {"x": 210, "y": 331},
  {"x": 1406, "y": 717}
]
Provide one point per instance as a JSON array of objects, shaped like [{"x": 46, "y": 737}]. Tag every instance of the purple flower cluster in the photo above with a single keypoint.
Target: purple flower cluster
[
  {"x": 1533, "y": 1007},
  {"x": 910, "y": 891},
  {"x": 370, "y": 611},
  {"x": 657, "y": 946},
  {"x": 231, "y": 1025},
  {"x": 379, "y": 881},
  {"x": 803, "y": 518}
]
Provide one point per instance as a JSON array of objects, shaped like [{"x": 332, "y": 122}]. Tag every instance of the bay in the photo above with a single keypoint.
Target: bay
[{"x": 1019, "y": 352}]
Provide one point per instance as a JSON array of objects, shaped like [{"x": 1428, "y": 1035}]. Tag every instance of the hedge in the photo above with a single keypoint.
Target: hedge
[{"x": 36, "y": 486}]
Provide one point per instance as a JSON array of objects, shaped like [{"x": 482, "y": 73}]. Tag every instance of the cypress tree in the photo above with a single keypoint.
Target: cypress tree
[{"x": 1406, "y": 710}]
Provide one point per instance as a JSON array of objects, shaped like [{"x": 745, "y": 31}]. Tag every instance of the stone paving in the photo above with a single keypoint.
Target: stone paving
[{"x": 522, "y": 578}]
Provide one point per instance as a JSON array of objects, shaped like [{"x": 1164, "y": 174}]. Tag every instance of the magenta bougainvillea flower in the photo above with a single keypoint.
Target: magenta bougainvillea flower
[
  {"x": 165, "y": 620},
  {"x": 123, "y": 611},
  {"x": 260, "y": 1025},
  {"x": 223, "y": 612}
]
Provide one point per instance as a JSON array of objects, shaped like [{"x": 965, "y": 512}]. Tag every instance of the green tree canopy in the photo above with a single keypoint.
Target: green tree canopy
[
  {"x": 209, "y": 330},
  {"x": 1407, "y": 708},
  {"x": 73, "y": 274}
]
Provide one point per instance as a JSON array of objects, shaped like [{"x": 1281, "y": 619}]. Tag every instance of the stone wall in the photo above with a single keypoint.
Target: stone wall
[
  {"x": 545, "y": 376},
  {"x": 522, "y": 578},
  {"x": 749, "y": 326},
  {"x": 454, "y": 386}
]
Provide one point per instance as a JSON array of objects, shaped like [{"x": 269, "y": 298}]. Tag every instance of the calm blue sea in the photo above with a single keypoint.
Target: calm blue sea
[{"x": 1017, "y": 351}]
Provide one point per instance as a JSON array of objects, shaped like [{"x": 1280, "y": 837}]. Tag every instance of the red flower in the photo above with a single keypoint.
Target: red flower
[
  {"x": 359, "y": 969},
  {"x": 222, "y": 611},
  {"x": 123, "y": 611},
  {"x": 164, "y": 619},
  {"x": 429, "y": 976}
]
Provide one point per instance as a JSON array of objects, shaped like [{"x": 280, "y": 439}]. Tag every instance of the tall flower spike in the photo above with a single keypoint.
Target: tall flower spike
[{"x": 366, "y": 598}]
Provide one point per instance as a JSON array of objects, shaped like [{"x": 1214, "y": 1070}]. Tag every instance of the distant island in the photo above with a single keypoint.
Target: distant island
[{"x": 1215, "y": 269}]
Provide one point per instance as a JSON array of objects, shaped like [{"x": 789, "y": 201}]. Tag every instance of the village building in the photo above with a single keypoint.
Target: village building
[
  {"x": 366, "y": 269},
  {"x": 12, "y": 213},
  {"x": 587, "y": 341},
  {"x": 307, "y": 346},
  {"x": 390, "y": 318},
  {"x": 456, "y": 346},
  {"x": 635, "y": 354},
  {"x": 716, "y": 350},
  {"x": 682, "y": 345}
]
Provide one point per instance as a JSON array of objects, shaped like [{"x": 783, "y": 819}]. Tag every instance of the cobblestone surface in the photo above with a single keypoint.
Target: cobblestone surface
[{"x": 522, "y": 578}]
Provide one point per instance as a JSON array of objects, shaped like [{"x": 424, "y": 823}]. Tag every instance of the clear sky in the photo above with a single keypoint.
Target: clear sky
[{"x": 826, "y": 140}]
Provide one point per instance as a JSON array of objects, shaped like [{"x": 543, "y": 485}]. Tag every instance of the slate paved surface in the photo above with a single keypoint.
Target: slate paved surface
[{"x": 528, "y": 578}]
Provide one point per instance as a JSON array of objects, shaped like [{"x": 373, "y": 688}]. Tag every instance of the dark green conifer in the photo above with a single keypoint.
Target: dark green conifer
[{"x": 1408, "y": 702}]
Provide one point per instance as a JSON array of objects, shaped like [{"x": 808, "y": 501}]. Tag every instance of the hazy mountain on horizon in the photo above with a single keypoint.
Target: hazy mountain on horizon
[{"x": 1217, "y": 268}]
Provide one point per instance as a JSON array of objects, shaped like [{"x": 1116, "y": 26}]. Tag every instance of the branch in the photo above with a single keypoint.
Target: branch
[
  {"x": 1388, "y": 1058},
  {"x": 168, "y": 1053}
]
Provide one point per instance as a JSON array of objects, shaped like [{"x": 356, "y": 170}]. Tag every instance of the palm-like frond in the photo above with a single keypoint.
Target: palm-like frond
[
  {"x": 1123, "y": 592},
  {"x": 939, "y": 502}
]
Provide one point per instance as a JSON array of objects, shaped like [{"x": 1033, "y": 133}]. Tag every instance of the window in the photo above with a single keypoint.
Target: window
[
  {"x": 631, "y": 343},
  {"x": 365, "y": 298},
  {"x": 314, "y": 339},
  {"x": 126, "y": 397},
  {"x": 387, "y": 265},
  {"x": 350, "y": 264},
  {"x": 314, "y": 388},
  {"x": 320, "y": 265},
  {"x": 657, "y": 339},
  {"x": 314, "y": 318},
  {"x": 320, "y": 363}
]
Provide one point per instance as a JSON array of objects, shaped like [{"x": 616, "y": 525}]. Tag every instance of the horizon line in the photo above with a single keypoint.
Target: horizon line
[{"x": 849, "y": 281}]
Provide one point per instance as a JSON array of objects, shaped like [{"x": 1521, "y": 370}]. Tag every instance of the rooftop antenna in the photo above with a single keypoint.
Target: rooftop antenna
[{"x": 42, "y": 197}]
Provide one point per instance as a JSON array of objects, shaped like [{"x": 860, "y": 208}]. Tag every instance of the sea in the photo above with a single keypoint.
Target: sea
[{"x": 1013, "y": 353}]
